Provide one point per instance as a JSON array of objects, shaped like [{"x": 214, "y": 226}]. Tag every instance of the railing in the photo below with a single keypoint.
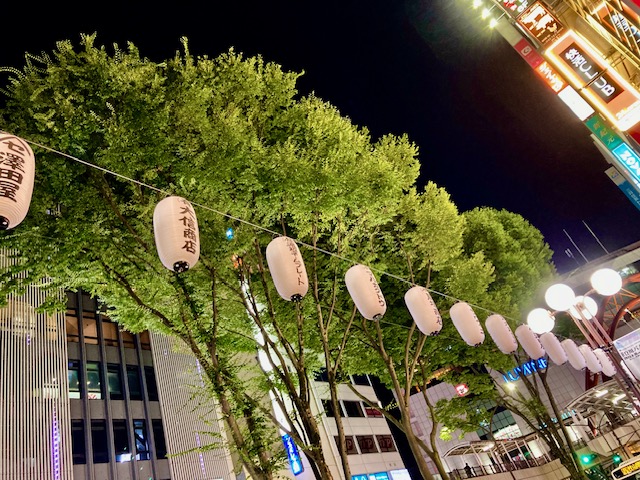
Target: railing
[{"x": 483, "y": 470}]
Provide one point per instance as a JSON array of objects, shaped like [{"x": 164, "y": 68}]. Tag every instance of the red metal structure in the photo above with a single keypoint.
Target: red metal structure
[{"x": 613, "y": 310}]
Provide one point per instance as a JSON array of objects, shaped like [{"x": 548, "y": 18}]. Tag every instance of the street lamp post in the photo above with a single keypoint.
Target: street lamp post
[{"x": 582, "y": 310}]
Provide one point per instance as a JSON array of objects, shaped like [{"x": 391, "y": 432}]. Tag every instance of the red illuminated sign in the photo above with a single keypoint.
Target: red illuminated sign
[
  {"x": 526, "y": 51},
  {"x": 540, "y": 23},
  {"x": 462, "y": 389},
  {"x": 550, "y": 76}
]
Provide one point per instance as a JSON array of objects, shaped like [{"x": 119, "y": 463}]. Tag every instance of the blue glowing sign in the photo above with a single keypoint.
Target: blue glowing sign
[
  {"x": 360, "y": 477},
  {"x": 295, "y": 463},
  {"x": 379, "y": 476},
  {"x": 629, "y": 159},
  {"x": 525, "y": 369},
  {"x": 229, "y": 233}
]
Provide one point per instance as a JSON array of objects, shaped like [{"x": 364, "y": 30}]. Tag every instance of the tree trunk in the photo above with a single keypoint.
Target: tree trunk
[
  {"x": 415, "y": 446},
  {"x": 342, "y": 446}
]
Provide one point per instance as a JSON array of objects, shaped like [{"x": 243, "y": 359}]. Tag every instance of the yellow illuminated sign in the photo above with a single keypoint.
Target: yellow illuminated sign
[
  {"x": 627, "y": 469},
  {"x": 586, "y": 69}
]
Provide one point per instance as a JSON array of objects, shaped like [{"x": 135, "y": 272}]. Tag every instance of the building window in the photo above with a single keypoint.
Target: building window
[
  {"x": 145, "y": 340},
  {"x": 73, "y": 376},
  {"x": 152, "y": 388},
  {"x": 353, "y": 409},
  {"x": 127, "y": 339},
  {"x": 372, "y": 412},
  {"x": 94, "y": 381},
  {"x": 90, "y": 328},
  {"x": 133, "y": 378},
  {"x": 351, "y": 444},
  {"x": 328, "y": 408},
  {"x": 110, "y": 333},
  {"x": 77, "y": 442},
  {"x": 158, "y": 438},
  {"x": 366, "y": 444},
  {"x": 114, "y": 382},
  {"x": 321, "y": 375},
  {"x": 361, "y": 380},
  {"x": 99, "y": 441},
  {"x": 121, "y": 441},
  {"x": 385, "y": 442},
  {"x": 142, "y": 441}
]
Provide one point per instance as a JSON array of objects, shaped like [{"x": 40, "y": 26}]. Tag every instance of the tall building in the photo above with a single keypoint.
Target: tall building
[{"x": 82, "y": 399}]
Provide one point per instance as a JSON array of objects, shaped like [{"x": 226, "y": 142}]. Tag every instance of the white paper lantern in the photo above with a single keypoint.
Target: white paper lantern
[
  {"x": 608, "y": 368},
  {"x": 467, "y": 323},
  {"x": 365, "y": 292},
  {"x": 552, "y": 346},
  {"x": 606, "y": 281},
  {"x": 501, "y": 334},
  {"x": 559, "y": 297},
  {"x": 540, "y": 320},
  {"x": 576, "y": 359},
  {"x": 17, "y": 173},
  {"x": 590, "y": 359},
  {"x": 287, "y": 268},
  {"x": 175, "y": 227},
  {"x": 423, "y": 310},
  {"x": 530, "y": 342}
]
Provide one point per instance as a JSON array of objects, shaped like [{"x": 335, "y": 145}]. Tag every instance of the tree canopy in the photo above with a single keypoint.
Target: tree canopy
[{"x": 114, "y": 133}]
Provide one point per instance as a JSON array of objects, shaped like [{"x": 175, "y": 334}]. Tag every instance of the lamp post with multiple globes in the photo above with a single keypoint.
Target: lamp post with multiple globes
[{"x": 582, "y": 309}]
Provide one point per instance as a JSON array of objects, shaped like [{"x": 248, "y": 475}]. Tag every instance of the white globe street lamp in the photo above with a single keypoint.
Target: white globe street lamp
[
  {"x": 559, "y": 297},
  {"x": 540, "y": 320}
]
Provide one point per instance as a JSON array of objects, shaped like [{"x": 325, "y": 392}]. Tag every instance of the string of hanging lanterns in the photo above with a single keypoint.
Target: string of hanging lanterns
[{"x": 178, "y": 246}]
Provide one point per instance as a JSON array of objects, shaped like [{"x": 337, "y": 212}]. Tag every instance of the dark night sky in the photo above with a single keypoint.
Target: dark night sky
[{"x": 488, "y": 130}]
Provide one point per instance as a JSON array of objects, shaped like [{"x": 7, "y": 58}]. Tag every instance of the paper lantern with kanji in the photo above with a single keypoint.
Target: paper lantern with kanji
[
  {"x": 530, "y": 342},
  {"x": 501, "y": 334},
  {"x": 365, "y": 292},
  {"x": 17, "y": 173},
  {"x": 175, "y": 228},
  {"x": 423, "y": 310},
  {"x": 467, "y": 323},
  {"x": 554, "y": 349},
  {"x": 287, "y": 268}
]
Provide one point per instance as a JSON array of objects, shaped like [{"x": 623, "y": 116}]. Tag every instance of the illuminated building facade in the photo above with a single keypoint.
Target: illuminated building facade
[{"x": 588, "y": 53}]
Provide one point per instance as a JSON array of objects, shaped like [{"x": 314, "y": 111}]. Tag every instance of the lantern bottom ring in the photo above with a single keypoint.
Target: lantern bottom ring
[
  {"x": 377, "y": 317},
  {"x": 4, "y": 223},
  {"x": 296, "y": 297}
]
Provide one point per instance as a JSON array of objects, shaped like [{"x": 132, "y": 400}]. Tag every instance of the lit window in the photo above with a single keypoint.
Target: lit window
[
  {"x": 94, "y": 381},
  {"x": 73, "y": 376},
  {"x": 142, "y": 442}
]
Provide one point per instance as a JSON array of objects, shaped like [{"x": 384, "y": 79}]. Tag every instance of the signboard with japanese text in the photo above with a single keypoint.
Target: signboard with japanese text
[
  {"x": 540, "y": 23},
  {"x": 621, "y": 21},
  {"x": 515, "y": 7},
  {"x": 585, "y": 68},
  {"x": 622, "y": 183},
  {"x": 550, "y": 76},
  {"x": 295, "y": 462},
  {"x": 629, "y": 348}
]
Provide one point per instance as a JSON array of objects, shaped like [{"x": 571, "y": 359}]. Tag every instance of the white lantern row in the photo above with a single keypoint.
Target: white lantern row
[{"x": 177, "y": 242}]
